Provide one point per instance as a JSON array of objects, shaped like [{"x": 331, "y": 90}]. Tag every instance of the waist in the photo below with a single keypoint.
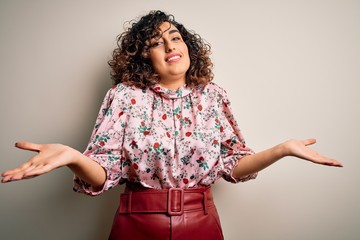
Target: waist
[{"x": 173, "y": 201}]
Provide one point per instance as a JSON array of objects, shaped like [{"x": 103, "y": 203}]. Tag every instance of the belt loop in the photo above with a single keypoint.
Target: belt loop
[
  {"x": 175, "y": 197},
  {"x": 205, "y": 203},
  {"x": 129, "y": 201}
]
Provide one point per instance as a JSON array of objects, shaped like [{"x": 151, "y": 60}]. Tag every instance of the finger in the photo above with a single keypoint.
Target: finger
[
  {"x": 22, "y": 167},
  {"x": 30, "y": 163},
  {"x": 23, "y": 174},
  {"x": 309, "y": 141},
  {"x": 28, "y": 146},
  {"x": 334, "y": 163}
]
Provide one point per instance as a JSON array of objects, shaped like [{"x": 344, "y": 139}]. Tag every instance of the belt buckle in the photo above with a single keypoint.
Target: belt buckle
[{"x": 172, "y": 201}]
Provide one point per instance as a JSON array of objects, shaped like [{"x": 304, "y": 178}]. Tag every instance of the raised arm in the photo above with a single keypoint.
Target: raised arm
[
  {"x": 296, "y": 148},
  {"x": 52, "y": 156}
]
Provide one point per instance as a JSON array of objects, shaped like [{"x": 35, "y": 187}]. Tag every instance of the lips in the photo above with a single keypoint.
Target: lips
[{"x": 173, "y": 58}]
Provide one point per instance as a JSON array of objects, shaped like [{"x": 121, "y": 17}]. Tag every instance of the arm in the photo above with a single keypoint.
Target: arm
[
  {"x": 256, "y": 162},
  {"x": 52, "y": 156}
]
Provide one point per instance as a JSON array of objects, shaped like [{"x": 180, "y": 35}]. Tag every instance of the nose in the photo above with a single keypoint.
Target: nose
[{"x": 169, "y": 48}]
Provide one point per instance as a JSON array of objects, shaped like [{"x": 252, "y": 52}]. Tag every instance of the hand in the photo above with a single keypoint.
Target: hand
[
  {"x": 300, "y": 149},
  {"x": 49, "y": 157}
]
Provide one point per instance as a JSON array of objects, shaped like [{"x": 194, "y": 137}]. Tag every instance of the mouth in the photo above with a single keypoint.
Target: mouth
[{"x": 173, "y": 58}]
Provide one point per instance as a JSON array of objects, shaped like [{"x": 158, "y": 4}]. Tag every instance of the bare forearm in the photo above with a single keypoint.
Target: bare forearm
[
  {"x": 88, "y": 170},
  {"x": 256, "y": 162},
  {"x": 296, "y": 148},
  {"x": 53, "y": 156}
]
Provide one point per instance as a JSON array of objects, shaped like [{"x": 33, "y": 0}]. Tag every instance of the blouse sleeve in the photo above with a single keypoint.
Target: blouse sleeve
[
  {"x": 105, "y": 145},
  {"x": 233, "y": 146}
]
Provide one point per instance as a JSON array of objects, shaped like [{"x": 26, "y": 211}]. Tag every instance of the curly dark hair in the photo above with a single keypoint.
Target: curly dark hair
[{"x": 131, "y": 66}]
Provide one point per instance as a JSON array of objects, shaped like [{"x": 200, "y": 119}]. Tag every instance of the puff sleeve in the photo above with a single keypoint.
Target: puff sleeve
[
  {"x": 105, "y": 145},
  {"x": 233, "y": 146}
]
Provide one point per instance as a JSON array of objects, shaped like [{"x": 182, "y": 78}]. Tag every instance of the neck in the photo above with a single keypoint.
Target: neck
[{"x": 173, "y": 85}]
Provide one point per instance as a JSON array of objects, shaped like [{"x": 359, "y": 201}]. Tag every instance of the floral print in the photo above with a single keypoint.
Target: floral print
[{"x": 165, "y": 138}]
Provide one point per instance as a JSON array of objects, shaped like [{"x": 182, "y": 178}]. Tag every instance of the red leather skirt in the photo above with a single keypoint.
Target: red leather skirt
[{"x": 172, "y": 214}]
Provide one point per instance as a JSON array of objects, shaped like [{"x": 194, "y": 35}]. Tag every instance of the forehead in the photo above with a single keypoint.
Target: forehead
[{"x": 164, "y": 28}]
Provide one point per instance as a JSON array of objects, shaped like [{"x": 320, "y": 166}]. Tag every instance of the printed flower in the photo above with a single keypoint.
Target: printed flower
[
  {"x": 200, "y": 107},
  {"x": 135, "y": 166},
  {"x": 168, "y": 134},
  {"x": 221, "y": 129},
  {"x": 133, "y": 144},
  {"x": 164, "y": 117},
  {"x": 215, "y": 143},
  {"x": 102, "y": 143},
  {"x": 188, "y": 134},
  {"x": 185, "y": 180},
  {"x": 202, "y": 163},
  {"x": 156, "y": 145},
  {"x": 144, "y": 129},
  {"x": 133, "y": 101},
  {"x": 121, "y": 113}
]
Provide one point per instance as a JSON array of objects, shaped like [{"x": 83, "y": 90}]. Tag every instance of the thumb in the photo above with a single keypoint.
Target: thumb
[
  {"x": 28, "y": 146},
  {"x": 309, "y": 141}
]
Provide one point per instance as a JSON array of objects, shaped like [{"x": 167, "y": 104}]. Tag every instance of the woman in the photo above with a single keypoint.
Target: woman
[{"x": 167, "y": 132}]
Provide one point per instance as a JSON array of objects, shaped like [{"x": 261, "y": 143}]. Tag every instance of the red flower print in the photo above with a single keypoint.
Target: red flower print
[
  {"x": 178, "y": 116},
  {"x": 200, "y": 107},
  {"x": 215, "y": 142},
  {"x": 185, "y": 180},
  {"x": 244, "y": 146},
  {"x": 201, "y": 158},
  {"x": 228, "y": 141},
  {"x": 133, "y": 101},
  {"x": 146, "y": 133},
  {"x": 156, "y": 145},
  {"x": 168, "y": 134},
  {"x": 192, "y": 150},
  {"x": 188, "y": 134},
  {"x": 121, "y": 113},
  {"x": 217, "y": 120},
  {"x": 135, "y": 166},
  {"x": 102, "y": 143},
  {"x": 157, "y": 89},
  {"x": 164, "y": 117},
  {"x": 186, "y": 119},
  {"x": 142, "y": 124},
  {"x": 133, "y": 143},
  {"x": 221, "y": 128}
]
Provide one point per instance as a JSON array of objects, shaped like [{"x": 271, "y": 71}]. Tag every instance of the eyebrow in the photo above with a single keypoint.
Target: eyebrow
[
  {"x": 159, "y": 35},
  {"x": 173, "y": 31}
]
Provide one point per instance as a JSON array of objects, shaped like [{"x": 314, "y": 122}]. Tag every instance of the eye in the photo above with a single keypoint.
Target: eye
[
  {"x": 156, "y": 44},
  {"x": 177, "y": 38}
]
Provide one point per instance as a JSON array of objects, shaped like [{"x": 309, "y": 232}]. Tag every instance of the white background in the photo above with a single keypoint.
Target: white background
[{"x": 291, "y": 69}]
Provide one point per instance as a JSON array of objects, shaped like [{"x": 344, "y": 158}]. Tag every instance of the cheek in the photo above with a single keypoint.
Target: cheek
[{"x": 155, "y": 61}]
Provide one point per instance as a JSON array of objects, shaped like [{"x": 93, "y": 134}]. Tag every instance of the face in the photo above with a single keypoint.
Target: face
[{"x": 169, "y": 56}]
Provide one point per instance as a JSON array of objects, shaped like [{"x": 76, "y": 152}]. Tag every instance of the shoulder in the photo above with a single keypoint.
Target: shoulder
[
  {"x": 213, "y": 89},
  {"x": 121, "y": 90}
]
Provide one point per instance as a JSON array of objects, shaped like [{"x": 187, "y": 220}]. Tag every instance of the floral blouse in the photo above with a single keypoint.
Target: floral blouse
[{"x": 165, "y": 138}]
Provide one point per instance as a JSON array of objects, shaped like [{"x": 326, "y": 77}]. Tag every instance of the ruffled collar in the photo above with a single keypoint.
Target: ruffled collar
[{"x": 168, "y": 93}]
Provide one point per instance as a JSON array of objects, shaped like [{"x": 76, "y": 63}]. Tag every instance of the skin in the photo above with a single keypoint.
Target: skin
[
  {"x": 172, "y": 76},
  {"x": 169, "y": 56}
]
